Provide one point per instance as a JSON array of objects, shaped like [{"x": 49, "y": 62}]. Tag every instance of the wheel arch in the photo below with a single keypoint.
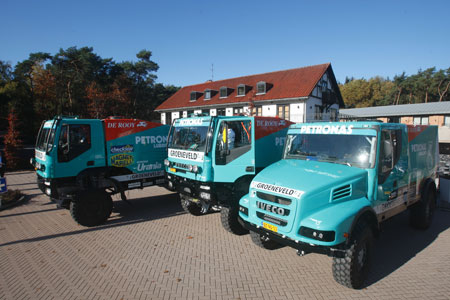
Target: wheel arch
[{"x": 368, "y": 215}]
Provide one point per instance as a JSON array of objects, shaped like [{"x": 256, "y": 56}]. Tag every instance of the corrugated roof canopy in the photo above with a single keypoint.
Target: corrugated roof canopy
[{"x": 431, "y": 108}]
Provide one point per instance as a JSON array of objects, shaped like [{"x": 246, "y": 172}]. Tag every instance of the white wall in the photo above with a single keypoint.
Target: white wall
[
  {"x": 185, "y": 114},
  {"x": 197, "y": 111},
  {"x": 229, "y": 111},
  {"x": 297, "y": 112},
  {"x": 247, "y": 110},
  {"x": 213, "y": 112},
  {"x": 175, "y": 115},
  {"x": 163, "y": 118},
  {"x": 269, "y": 110}
]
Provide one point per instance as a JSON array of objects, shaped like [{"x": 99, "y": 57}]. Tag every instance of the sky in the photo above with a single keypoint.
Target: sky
[{"x": 360, "y": 39}]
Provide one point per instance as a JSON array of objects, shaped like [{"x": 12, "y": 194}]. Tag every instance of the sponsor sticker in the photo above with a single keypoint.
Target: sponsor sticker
[
  {"x": 121, "y": 160},
  {"x": 122, "y": 149},
  {"x": 189, "y": 122},
  {"x": 138, "y": 176},
  {"x": 40, "y": 155},
  {"x": 188, "y": 155},
  {"x": 327, "y": 129},
  {"x": 284, "y": 191}
]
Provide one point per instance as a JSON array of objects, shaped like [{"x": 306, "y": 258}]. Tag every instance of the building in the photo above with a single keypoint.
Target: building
[
  {"x": 432, "y": 113},
  {"x": 299, "y": 95}
]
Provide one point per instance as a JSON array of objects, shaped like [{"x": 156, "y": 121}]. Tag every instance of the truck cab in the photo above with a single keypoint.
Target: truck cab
[
  {"x": 80, "y": 163},
  {"x": 336, "y": 183},
  {"x": 211, "y": 160}
]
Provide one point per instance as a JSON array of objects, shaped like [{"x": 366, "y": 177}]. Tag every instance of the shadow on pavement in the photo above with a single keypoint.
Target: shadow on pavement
[
  {"x": 398, "y": 243},
  {"x": 141, "y": 210}
]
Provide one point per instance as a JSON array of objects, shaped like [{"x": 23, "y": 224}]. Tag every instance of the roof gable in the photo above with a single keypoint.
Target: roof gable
[{"x": 293, "y": 83}]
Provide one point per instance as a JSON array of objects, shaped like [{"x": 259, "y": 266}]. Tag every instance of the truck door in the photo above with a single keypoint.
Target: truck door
[
  {"x": 234, "y": 150},
  {"x": 391, "y": 167},
  {"x": 78, "y": 148}
]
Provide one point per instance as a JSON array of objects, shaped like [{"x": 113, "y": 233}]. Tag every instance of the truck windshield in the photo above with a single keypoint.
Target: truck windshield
[
  {"x": 45, "y": 139},
  {"x": 189, "y": 138},
  {"x": 353, "y": 150}
]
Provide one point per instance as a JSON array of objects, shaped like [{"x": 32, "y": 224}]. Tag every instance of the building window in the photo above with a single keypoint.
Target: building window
[
  {"x": 238, "y": 111},
  {"x": 420, "y": 121},
  {"x": 283, "y": 111},
  {"x": 220, "y": 112},
  {"x": 195, "y": 96},
  {"x": 241, "y": 90},
  {"x": 207, "y": 94},
  {"x": 205, "y": 112},
  {"x": 447, "y": 121},
  {"x": 318, "y": 112},
  {"x": 261, "y": 87},
  {"x": 224, "y": 92},
  {"x": 257, "y": 111},
  {"x": 333, "y": 114}
]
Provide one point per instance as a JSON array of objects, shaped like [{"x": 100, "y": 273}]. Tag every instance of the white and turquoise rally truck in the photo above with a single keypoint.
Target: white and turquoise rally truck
[
  {"x": 336, "y": 183},
  {"x": 80, "y": 163},
  {"x": 212, "y": 160}
]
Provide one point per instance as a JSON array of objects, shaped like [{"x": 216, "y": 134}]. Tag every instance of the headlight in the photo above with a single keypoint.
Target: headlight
[
  {"x": 195, "y": 168},
  {"x": 190, "y": 168},
  {"x": 166, "y": 162}
]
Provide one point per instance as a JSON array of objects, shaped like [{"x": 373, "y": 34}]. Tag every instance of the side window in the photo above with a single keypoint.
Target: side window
[
  {"x": 73, "y": 141},
  {"x": 390, "y": 152},
  {"x": 233, "y": 140}
]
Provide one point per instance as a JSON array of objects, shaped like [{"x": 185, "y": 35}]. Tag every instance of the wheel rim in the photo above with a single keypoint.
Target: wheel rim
[{"x": 361, "y": 256}]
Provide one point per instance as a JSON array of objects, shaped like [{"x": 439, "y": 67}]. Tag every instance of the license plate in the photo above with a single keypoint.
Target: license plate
[
  {"x": 270, "y": 227},
  {"x": 172, "y": 170}
]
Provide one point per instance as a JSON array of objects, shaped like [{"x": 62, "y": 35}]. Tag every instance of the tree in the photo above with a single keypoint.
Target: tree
[{"x": 13, "y": 142}]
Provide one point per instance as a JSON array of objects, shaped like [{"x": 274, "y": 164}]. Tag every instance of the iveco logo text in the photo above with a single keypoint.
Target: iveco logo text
[
  {"x": 327, "y": 129},
  {"x": 271, "y": 208}
]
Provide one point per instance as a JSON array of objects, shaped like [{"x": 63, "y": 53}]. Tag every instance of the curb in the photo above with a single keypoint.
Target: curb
[{"x": 15, "y": 203}]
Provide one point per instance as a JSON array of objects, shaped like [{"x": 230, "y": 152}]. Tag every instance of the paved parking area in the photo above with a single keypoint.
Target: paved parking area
[{"x": 153, "y": 250}]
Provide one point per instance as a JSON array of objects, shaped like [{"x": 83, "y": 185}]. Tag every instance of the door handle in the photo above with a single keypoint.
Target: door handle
[{"x": 249, "y": 169}]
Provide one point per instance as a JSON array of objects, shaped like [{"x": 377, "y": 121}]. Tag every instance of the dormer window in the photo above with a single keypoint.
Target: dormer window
[
  {"x": 195, "y": 96},
  {"x": 225, "y": 92},
  {"x": 242, "y": 89},
  {"x": 261, "y": 87},
  {"x": 209, "y": 94}
]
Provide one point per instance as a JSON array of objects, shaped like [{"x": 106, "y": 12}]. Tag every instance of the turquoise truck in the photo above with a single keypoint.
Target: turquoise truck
[
  {"x": 80, "y": 163},
  {"x": 336, "y": 183},
  {"x": 212, "y": 160}
]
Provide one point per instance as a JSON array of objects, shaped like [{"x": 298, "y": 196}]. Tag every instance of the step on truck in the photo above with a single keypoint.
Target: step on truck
[
  {"x": 212, "y": 160},
  {"x": 336, "y": 183},
  {"x": 80, "y": 163}
]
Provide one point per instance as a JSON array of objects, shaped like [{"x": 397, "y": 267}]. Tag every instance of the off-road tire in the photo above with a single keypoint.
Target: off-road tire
[
  {"x": 229, "y": 219},
  {"x": 263, "y": 241},
  {"x": 91, "y": 208},
  {"x": 190, "y": 207},
  {"x": 352, "y": 270},
  {"x": 421, "y": 214}
]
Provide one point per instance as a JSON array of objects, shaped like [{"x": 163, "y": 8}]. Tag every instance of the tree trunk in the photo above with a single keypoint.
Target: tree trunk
[{"x": 444, "y": 92}]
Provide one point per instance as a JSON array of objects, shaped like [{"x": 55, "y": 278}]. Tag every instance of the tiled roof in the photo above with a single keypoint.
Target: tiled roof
[
  {"x": 293, "y": 83},
  {"x": 430, "y": 108}
]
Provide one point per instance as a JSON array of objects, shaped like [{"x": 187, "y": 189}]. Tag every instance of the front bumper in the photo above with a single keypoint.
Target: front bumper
[
  {"x": 335, "y": 251},
  {"x": 191, "y": 188}
]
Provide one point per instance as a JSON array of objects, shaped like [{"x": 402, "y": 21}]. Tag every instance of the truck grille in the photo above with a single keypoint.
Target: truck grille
[
  {"x": 273, "y": 198},
  {"x": 342, "y": 192}
]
